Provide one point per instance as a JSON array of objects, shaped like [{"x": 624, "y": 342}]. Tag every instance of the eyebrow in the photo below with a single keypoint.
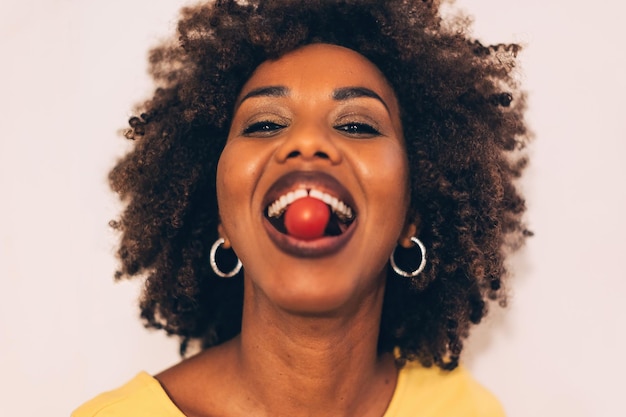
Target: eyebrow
[
  {"x": 271, "y": 91},
  {"x": 347, "y": 93},
  {"x": 340, "y": 94}
]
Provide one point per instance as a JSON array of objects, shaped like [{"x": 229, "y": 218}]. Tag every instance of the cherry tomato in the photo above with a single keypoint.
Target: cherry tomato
[{"x": 307, "y": 218}]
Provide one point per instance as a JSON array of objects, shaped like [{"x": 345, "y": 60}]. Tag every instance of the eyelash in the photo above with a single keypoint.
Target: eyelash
[
  {"x": 358, "y": 129},
  {"x": 267, "y": 128},
  {"x": 264, "y": 128}
]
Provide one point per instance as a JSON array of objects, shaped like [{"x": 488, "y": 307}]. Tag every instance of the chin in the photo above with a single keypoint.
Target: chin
[
  {"x": 314, "y": 306},
  {"x": 310, "y": 297}
]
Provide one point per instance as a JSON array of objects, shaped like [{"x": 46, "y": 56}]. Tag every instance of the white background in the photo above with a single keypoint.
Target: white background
[{"x": 70, "y": 72}]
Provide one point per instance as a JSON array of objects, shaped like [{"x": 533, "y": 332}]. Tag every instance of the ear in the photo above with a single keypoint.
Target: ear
[
  {"x": 222, "y": 234},
  {"x": 411, "y": 226}
]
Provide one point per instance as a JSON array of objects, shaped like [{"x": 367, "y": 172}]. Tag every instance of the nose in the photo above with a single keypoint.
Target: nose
[{"x": 309, "y": 143}]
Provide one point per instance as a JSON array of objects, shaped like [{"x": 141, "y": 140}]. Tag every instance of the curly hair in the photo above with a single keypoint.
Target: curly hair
[{"x": 463, "y": 119}]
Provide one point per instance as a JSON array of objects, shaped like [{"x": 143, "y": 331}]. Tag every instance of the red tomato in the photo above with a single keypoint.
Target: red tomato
[{"x": 307, "y": 218}]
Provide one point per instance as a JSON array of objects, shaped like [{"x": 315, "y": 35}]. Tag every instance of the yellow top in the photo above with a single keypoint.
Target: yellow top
[
  {"x": 420, "y": 392},
  {"x": 431, "y": 392}
]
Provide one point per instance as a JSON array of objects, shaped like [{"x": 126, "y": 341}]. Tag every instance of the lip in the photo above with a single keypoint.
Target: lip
[
  {"x": 308, "y": 179},
  {"x": 309, "y": 248}
]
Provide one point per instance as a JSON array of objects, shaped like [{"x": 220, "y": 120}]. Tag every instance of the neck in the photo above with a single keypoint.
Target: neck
[{"x": 295, "y": 364}]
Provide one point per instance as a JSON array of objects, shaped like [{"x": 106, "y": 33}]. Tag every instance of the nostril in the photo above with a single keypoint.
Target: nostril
[{"x": 318, "y": 154}]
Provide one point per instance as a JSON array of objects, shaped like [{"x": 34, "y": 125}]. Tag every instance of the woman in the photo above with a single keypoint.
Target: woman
[{"x": 320, "y": 194}]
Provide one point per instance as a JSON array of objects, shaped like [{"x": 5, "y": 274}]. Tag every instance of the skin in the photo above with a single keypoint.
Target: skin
[{"x": 310, "y": 324}]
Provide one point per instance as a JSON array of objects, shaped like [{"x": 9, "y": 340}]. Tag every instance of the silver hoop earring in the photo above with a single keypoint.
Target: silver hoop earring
[
  {"x": 219, "y": 242},
  {"x": 419, "y": 269}
]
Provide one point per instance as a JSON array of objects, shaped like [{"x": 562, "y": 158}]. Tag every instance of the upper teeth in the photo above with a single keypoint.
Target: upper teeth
[{"x": 278, "y": 207}]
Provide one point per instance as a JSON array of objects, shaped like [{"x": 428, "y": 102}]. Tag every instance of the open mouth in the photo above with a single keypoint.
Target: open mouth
[
  {"x": 309, "y": 214},
  {"x": 340, "y": 214}
]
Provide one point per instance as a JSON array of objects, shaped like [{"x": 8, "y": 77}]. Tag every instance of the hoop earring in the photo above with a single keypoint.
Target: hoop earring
[
  {"x": 219, "y": 242},
  {"x": 419, "y": 269}
]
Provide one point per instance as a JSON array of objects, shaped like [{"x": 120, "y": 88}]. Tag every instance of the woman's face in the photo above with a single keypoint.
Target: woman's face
[{"x": 320, "y": 121}]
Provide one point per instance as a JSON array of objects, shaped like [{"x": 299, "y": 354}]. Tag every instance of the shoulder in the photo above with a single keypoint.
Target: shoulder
[
  {"x": 432, "y": 392},
  {"x": 142, "y": 396}
]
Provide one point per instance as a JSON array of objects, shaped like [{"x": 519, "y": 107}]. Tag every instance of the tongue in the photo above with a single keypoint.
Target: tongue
[{"x": 307, "y": 218}]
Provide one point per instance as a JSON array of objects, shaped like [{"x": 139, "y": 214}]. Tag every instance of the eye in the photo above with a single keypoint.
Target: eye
[
  {"x": 358, "y": 129},
  {"x": 263, "y": 128}
]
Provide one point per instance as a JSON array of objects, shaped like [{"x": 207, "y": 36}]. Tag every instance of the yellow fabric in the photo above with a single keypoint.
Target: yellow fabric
[
  {"x": 420, "y": 392},
  {"x": 143, "y": 396},
  {"x": 431, "y": 392}
]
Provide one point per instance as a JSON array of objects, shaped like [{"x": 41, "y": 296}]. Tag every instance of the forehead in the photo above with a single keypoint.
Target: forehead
[{"x": 319, "y": 66}]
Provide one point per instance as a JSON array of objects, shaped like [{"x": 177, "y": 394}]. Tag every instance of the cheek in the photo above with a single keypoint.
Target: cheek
[
  {"x": 222, "y": 183},
  {"x": 388, "y": 175},
  {"x": 238, "y": 171},
  {"x": 230, "y": 182}
]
